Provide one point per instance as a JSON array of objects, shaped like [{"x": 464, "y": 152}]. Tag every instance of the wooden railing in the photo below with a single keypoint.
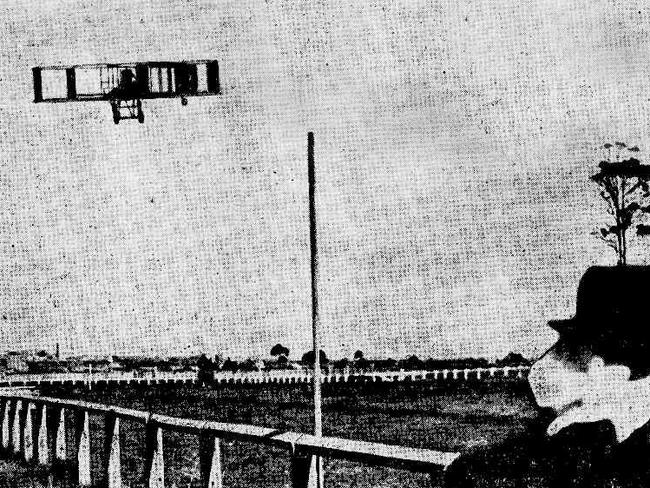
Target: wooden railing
[
  {"x": 260, "y": 377},
  {"x": 305, "y": 376},
  {"x": 26, "y": 433},
  {"x": 114, "y": 377}
]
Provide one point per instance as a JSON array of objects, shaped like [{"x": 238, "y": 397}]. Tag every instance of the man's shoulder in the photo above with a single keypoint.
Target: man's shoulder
[
  {"x": 535, "y": 442},
  {"x": 580, "y": 455},
  {"x": 632, "y": 456},
  {"x": 535, "y": 455},
  {"x": 587, "y": 434},
  {"x": 505, "y": 461}
]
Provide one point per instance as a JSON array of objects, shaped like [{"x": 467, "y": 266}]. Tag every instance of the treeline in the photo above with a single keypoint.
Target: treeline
[
  {"x": 358, "y": 363},
  {"x": 279, "y": 360}
]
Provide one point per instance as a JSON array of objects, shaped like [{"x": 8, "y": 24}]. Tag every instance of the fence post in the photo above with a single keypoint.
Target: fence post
[
  {"x": 83, "y": 448},
  {"x": 114, "y": 463},
  {"x": 154, "y": 456},
  {"x": 28, "y": 433},
  {"x": 210, "y": 459},
  {"x": 437, "y": 478},
  {"x": 15, "y": 439},
  {"x": 5, "y": 401},
  {"x": 43, "y": 445},
  {"x": 60, "y": 448},
  {"x": 6, "y": 440},
  {"x": 306, "y": 471}
]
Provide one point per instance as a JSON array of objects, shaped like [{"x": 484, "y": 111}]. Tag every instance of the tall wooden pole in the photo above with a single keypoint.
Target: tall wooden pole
[
  {"x": 316, "y": 464},
  {"x": 318, "y": 425}
]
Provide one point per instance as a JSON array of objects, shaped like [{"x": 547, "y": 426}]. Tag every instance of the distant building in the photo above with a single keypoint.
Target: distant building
[
  {"x": 86, "y": 364},
  {"x": 47, "y": 365},
  {"x": 148, "y": 371},
  {"x": 17, "y": 362}
]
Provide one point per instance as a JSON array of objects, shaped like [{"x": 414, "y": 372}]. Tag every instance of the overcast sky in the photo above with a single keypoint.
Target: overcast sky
[{"x": 454, "y": 142}]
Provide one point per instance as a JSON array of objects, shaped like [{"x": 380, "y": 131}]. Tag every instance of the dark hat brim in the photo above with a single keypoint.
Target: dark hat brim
[
  {"x": 586, "y": 331},
  {"x": 564, "y": 326}
]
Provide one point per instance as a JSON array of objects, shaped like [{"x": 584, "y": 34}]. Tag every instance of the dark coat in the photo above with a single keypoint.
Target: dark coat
[{"x": 579, "y": 456}]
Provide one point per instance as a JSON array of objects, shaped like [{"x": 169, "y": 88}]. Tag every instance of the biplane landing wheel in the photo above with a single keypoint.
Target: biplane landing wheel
[
  {"x": 183, "y": 101},
  {"x": 116, "y": 114},
  {"x": 140, "y": 112}
]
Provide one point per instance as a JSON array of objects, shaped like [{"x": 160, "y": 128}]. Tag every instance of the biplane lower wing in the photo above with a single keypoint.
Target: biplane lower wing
[
  {"x": 93, "y": 82},
  {"x": 100, "y": 98}
]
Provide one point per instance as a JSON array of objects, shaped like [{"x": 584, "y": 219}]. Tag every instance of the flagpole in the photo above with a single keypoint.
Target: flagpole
[{"x": 318, "y": 422}]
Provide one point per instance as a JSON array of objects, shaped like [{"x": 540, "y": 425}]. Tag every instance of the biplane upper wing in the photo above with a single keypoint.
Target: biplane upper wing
[{"x": 156, "y": 79}]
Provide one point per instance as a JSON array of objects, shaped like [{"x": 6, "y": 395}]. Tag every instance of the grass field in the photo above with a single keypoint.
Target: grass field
[{"x": 418, "y": 415}]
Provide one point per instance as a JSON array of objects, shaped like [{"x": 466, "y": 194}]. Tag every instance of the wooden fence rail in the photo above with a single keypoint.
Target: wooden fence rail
[
  {"x": 26, "y": 433},
  {"x": 304, "y": 377},
  {"x": 279, "y": 377}
]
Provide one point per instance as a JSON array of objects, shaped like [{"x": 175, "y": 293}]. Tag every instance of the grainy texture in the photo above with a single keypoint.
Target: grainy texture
[{"x": 454, "y": 141}]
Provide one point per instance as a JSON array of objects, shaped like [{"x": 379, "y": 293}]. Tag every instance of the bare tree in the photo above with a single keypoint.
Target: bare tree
[{"x": 623, "y": 182}]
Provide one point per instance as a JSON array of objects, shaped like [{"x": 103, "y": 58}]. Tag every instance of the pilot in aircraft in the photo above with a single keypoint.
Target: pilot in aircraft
[
  {"x": 126, "y": 79},
  {"x": 595, "y": 384},
  {"x": 127, "y": 87}
]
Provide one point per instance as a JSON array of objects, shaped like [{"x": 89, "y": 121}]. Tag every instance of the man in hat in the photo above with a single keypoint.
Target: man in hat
[{"x": 595, "y": 384}]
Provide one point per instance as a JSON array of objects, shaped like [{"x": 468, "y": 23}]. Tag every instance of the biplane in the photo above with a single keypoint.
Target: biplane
[{"x": 124, "y": 86}]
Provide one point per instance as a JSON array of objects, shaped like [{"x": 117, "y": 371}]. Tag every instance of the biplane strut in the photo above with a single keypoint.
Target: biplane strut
[
  {"x": 125, "y": 86},
  {"x": 127, "y": 109}
]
